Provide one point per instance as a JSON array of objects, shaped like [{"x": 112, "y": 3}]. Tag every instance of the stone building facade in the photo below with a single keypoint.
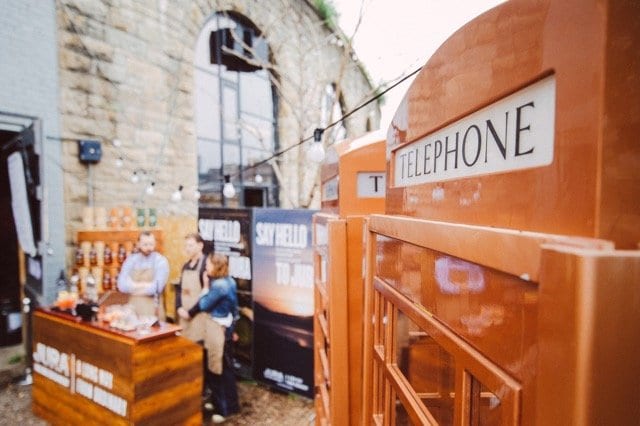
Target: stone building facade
[
  {"x": 125, "y": 76},
  {"x": 29, "y": 100}
]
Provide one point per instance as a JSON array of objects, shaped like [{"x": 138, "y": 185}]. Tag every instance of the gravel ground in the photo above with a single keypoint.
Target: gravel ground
[{"x": 260, "y": 406}]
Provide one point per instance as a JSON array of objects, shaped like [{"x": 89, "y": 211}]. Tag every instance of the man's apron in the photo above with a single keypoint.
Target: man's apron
[
  {"x": 146, "y": 305},
  {"x": 193, "y": 329}
]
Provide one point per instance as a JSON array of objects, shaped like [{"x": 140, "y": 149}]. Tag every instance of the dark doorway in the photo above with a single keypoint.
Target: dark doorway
[
  {"x": 255, "y": 197},
  {"x": 10, "y": 142}
]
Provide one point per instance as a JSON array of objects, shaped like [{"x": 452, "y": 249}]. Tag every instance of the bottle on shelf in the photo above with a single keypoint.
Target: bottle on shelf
[
  {"x": 108, "y": 256},
  {"x": 74, "y": 280},
  {"x": 91, "y": 292},
  {"x": 106, "y": 280},
  {"x": 153, "y": 218},
  {"x": 79, "y": 257},
  {"x": 93, "y": 256},
  {"x": 122, "y": 254},
  {"x": 61, "y": 283}
]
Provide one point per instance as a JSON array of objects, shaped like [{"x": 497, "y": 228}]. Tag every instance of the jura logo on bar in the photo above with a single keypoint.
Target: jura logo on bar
[{"x": 514, "y": 133}]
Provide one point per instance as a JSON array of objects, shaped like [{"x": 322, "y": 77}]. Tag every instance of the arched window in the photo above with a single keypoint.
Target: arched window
[{"x": 236, "y": 110}]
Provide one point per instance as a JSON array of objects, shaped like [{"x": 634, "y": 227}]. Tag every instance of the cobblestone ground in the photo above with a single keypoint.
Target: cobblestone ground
[{"x": 260, "y": 406}]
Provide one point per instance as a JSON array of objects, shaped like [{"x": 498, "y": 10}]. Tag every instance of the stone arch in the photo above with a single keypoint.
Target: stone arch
[{"x": 235, "y": 111}]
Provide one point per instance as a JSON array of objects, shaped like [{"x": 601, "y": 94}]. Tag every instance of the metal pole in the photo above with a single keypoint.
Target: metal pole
[{"x": 28, "y": 345}]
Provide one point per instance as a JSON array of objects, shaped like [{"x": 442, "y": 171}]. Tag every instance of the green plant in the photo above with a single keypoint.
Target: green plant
[
  {"x": 327, "y": 11},
  {"x": 15, "y": 359}
]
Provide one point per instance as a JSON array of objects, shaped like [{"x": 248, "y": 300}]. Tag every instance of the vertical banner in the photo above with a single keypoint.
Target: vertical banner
[
  {"x": 228, "y": 231},
  {"x": 283, "y": 299}
]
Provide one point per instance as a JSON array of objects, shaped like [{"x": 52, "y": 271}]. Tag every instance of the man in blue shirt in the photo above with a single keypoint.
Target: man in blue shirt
[{"x": 143, "y": 275}]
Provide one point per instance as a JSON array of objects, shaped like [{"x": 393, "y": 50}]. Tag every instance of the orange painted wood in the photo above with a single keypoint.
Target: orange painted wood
[
  {"x": 580, "y": 316},
  {"x": 480, "y": 244},
  {"x": 591, "y": 188},
  {"x": 345, "y": 160},
  {"x": 589, "y": 330},
  {"x": 341, "y": 297},
  {"x": 159, "y": 378}
]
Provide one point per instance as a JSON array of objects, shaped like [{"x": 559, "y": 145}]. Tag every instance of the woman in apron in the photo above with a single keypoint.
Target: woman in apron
[{"x": 221, "y": 305}]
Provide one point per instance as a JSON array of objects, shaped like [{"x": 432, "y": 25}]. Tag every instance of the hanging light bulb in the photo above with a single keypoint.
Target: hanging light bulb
[
  {"x": 134, "y": 177},
  {"x": 119, "y": 162},
  {"x": 116, "y": 143},
  {"x": 150, "y": 188},
  {"x": 177, "y": 195},
  {"x": 315, "y": 152},
  {"x": 258, "y": 178},
  {"x": 196, "y": 194},
  {"x": 228, "y": 190}
]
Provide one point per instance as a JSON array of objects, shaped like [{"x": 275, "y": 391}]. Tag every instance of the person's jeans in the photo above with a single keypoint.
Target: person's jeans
[{"x": 224, "y": 392}]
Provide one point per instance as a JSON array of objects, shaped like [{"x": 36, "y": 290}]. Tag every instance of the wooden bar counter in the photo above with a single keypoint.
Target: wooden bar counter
[{"x": 86, "y": 373}]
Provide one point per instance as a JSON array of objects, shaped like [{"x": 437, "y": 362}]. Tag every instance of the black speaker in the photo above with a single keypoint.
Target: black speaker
[{"x": 89, "y": 151}]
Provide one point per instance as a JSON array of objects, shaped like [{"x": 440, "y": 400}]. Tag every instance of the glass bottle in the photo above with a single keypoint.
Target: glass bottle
[
  {"x": 153, "y": 218},
  {"x": 61, "y": 283},
  {"x": 79, "y": 257},
  {"x": 93, "y": 256},
  {"x": 91, "y": 293},
  {"x": 122, "y": 254},
  {"x": 73, "y": 282},
  {"x": 106, "y": 281},
  {"x": 108, "y": 255}
]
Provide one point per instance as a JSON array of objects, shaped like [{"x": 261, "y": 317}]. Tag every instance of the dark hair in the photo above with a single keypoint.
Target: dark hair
[{"x": 194, "y": 236}]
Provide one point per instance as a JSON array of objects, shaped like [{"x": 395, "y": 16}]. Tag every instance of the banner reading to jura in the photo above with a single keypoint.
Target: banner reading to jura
[
  {"x": 283, "y": 299},
  {"x": 228, "y": 231}
]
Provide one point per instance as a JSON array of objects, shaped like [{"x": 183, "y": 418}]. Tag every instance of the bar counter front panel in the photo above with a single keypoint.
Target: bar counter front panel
[{"x": 86, "y": 373}]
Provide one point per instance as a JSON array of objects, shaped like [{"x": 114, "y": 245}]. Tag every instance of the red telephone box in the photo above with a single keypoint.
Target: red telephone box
[
  {"x": 353, "y": 184},
  {"x": 502, "y": 281}
]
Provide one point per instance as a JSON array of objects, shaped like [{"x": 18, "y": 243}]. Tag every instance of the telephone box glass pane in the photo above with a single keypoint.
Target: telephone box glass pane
[
  {"x": 494, "y": 311},
  {"x": 428, "y": 367},
  {"x": 486, "y": 406},
  {"x": 402, "y": 417}
]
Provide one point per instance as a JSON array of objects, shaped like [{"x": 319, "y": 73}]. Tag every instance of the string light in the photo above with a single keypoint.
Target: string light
[
  {"x": 258, "y": 178},
  {"x": 327, "y": 127},
  {"x": 150, "y": 188},
  {"x": 316, "y": 150},
  {"x": 228, "y": 190},
  {"x": 119, "y": 162},
  {"x": 196, "y": 194},
  {"x": 177, "y": 195},
  {"x": 134, "y": 177}
]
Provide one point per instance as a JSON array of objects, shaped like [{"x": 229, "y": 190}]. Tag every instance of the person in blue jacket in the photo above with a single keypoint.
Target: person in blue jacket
[{"x": 221, "y": 303}]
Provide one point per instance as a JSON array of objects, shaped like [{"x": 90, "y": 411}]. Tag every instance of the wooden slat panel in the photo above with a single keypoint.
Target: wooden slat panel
[
  {"x": 480, "y": 244},
  {"x": 100, "y": 349},
  {"x": 56, "y": 405},
  {"x": 169, "y": 406},
  {"x": 160, "y": 380}
]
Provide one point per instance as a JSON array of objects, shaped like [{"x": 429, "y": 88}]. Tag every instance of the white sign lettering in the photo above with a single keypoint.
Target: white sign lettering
[
  {"x": 371, "y": 185},
  {"x": 281, "y": 234},
  {"x": 240, "y": 267},
  {"x": 227, "y": 231},
  {"x": 80, "y": 377},
  {"x": 514, "y": 133}
]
